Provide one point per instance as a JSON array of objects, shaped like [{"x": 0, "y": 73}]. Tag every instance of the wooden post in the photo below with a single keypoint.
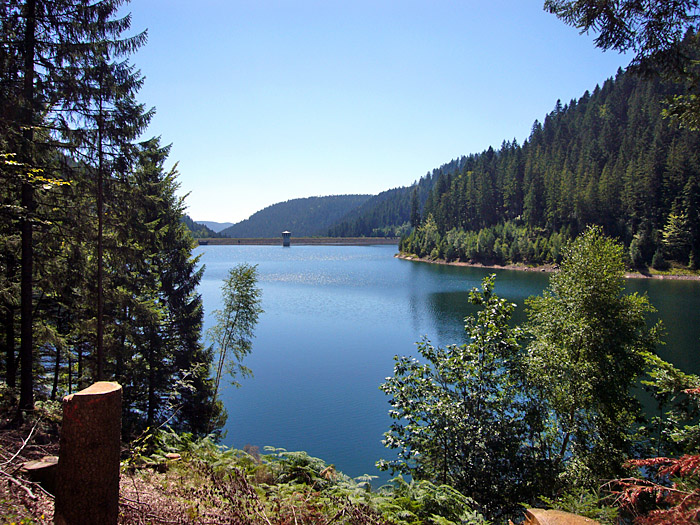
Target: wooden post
[{"x": 87, "y": 479}]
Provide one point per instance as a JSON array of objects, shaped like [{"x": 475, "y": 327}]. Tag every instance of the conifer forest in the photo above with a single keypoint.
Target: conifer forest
[{"x": 98, "y": 279}]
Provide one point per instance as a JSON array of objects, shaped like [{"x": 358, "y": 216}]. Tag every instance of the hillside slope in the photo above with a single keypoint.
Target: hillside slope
[
  {"x": 388, "y": 214},
  {"x": 608, "y": 158},
  {"x": 305, "y": 217},
  {"x": 198, "y": 230}
]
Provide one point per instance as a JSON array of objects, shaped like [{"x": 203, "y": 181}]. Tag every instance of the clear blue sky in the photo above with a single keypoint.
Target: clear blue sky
[{"x": 266, "y": 101}]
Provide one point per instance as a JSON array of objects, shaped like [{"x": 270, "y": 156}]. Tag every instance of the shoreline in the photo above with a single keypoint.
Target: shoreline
[
  {"x": 299, "y": 241},
  {"x": 546, "y": 268}
]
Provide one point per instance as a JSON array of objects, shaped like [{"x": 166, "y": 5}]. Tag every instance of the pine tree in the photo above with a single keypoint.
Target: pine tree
[
  {"x": 56, "y": 44},
  {"x": 691, "y": 207},
  {"x": 103, "y": 117},
  {"x": 415, "y": 209},
  {"x": 157, "y": 354},
  {"x": 676, "y": 237}
]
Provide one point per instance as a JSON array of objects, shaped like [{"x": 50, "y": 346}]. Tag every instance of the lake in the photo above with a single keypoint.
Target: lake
[{"x": 334, "y": 318}]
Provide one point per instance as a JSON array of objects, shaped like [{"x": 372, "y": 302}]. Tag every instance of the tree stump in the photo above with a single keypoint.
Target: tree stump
[
  {"x": 43, "y": 471},
  {"x": 87, "y": 478},
  {"x": 555, "y": 517}
]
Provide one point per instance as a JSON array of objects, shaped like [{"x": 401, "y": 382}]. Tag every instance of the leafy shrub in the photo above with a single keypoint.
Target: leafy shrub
[
  {"x": 584, "y": 503},
  {"x": 424, "y": 502}
]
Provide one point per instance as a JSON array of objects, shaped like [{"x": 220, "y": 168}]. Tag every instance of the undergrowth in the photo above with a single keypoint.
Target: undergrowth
[{"x": 173, "y": 477}]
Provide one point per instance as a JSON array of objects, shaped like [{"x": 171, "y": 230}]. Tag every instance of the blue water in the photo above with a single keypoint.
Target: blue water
[{"x": 334, "y": 318}]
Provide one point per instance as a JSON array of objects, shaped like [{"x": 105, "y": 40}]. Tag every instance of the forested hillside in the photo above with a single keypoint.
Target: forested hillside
[
  {"x": 306, "y": 217},
  {"x": 388, "y": 214},
  {"x": 608, "y": 158},
  {"x": 382, "y": 215},
  {"x": 198, "y": 231}
]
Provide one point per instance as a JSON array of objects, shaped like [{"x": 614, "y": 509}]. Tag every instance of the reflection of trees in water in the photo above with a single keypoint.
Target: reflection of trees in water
[
  {"x": 438, "y": 298},
  {"x": 438, "y": 304},
  {"x": 447, "y": 311},
  {"x": 678, "y": 306}
]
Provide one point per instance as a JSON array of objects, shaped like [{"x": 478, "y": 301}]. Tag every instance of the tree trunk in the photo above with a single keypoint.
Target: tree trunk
[
  {"x": 9, "y": 326},
  {"x": 26, "y": 399},
  {"x": 121, "y": 353},
  {"x": 151, "y": 413},
  {"x": 56, "y": 370},
  {"x": 87, "y": 488},
  {"x": 100, "y": 243},
  {"x": 11, "y": 364},
  {"x": 70, "y": 373},
  {"x": 79, "y": 378},
  {"x": 100, "y": 277}
]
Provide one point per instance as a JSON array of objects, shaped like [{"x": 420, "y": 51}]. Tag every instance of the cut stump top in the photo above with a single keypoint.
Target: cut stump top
[
  {"x": 96, "y": 389},
  {"x": 555, "y": 517},
  {"x": 46, "y": 462}
]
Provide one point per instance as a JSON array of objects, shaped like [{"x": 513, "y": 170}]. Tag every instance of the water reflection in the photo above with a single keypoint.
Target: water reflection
[{"x": 677, "y": 303}]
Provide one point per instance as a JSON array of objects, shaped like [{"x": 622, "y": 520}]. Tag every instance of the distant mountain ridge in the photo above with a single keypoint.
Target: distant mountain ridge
[
  {"x": 215, "y": 226},
  {"x": 305, "y": 217},
  {"x": 386, "y": 214}
]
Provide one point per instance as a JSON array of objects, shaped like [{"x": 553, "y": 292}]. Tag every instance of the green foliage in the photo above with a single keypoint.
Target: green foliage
[
  {"x": 573, "y": 419},
  {"x": 8, "y": 398},
  {"x": 232, "y": 335},
  {"x": 49, "y": 410},
  {"x": 464, "y": 416},
  {"x": 659, "y": 262},
  {"x": 589, "y": 347},
  {"x": 300, "y": 468},
  {"x": 661, "y": 34},
  {"x": 407, "y": 503},
  {"x": 667, "y": 489},
  {"x": 286, "y": 487},
  {"x": 13, "y": 515},
  {"x": 388, "y": 211},
  {"x": 585, "y": 503},
  {"x": 607, "y": 159},
  {"x": 68, "y": 103},
  {"x": 380, "y": 215},
  {"x": 503, "y": 243},
  {"x": 675, "y": 430},
  {"x": 676, "y": 237},
  {"x": 640, "y": 249},
  {"x": 105, "y": 286},
  {"x": 155, "y": 311}
]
